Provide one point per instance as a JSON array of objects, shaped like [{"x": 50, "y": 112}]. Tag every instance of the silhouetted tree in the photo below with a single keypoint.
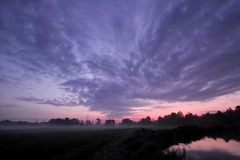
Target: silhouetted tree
[
  {"x": 229, "y": 117},
  {"x": 88, "y": 123},
  {"x": 127, "y": 121},
  {"x": 98, "y": 121},
  {"x": 74, "y": 121},
  {"x": 66, "y": 121},
  {"x": 160, "y": 120},
  {"x": 81, "y": 123},
  {"x": 180, "y": 114},
  {"x": 110, "y": 122},
  {"x": 145, "y": 121},
  {"x": 237, "y": 108}
]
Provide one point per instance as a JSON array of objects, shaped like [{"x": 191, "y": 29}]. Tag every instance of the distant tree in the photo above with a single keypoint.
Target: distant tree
[
  {"x": 6, "y": 122},
  {"x": 180, "y": 114},
  {"x": 81, "y": 122},
  {"x": 88, "y": 123},
  {"x": 98, "y": 121},
  {"x": 145, "y": 121},
  {"x": 229, "y": 117},
  {"x": 174, "y": 116},
  {"x": 74, "y": 121},
  {"x": 127, "y": 121},
  {"x": 110, "y": 122},
  {"x": 189, "y": 115},
  {"x": 160, "y": 120},
  {"x": 148, "y": 119},
  {"x": 219, "y": 114},
  {"x": 229, "y": 111},
  {"x": 237, "y": 108},
  {"x": 190, "y": 119},
  {"x": 66, "y": 121}
]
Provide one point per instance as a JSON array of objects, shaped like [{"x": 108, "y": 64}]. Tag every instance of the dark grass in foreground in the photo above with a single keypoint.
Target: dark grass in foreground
[
  {"x": 152, "y": 144},
  {"x": 56, "y": 143},
  {"x": 101, "y": 144}
]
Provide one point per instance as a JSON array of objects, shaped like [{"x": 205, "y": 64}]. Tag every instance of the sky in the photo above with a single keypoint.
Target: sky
[{"x": 118, "y": 58}]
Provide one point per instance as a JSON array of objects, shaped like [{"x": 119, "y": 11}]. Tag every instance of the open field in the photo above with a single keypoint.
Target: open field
[
  {"x": 72, "y": 143},
  {"x": 57, "y": 142}
]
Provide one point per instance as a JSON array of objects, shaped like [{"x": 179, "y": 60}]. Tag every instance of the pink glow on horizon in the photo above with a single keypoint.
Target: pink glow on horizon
[
  {"x": 221, "y": 103},
  {"x": 156, "y": 109}
]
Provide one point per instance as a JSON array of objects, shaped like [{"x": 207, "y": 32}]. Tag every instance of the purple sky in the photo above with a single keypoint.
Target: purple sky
[{"x": 115, "y": 58}]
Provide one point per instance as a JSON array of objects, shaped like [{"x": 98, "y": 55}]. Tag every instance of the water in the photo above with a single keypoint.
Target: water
[{"x": 210, "y": 149}]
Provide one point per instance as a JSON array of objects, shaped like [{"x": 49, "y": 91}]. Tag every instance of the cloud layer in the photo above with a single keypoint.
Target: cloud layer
[{"x": 115, "y": 55}]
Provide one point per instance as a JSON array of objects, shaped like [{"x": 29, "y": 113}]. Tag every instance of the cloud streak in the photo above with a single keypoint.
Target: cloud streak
[{"x": 55, "y": 102}]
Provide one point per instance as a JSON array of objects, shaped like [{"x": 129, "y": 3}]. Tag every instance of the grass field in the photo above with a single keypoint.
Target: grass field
[
  {"x": 56, "y": 143},
  {"x": 111, "y": 143}
]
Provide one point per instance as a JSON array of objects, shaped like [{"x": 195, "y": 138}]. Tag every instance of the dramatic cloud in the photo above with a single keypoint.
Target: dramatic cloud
[{"x": 116, "y": 55}]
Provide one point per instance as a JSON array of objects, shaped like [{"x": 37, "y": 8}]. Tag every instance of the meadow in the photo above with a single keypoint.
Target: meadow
[
  {"x": 112, "y": 143},
  {"x": 56, "y": 142}
]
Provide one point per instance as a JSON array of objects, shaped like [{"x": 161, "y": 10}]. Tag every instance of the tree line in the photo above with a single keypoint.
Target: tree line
[{"x": 229, "y": 117}]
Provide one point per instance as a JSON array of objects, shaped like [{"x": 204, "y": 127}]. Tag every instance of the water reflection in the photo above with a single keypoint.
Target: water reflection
[{"x": 209, "y": 149}]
